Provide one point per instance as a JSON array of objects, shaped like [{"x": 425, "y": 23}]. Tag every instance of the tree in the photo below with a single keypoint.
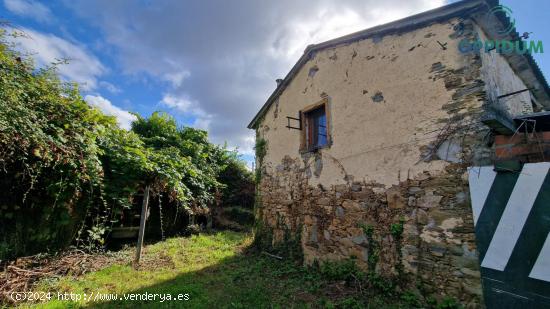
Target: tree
[{"x": 71, "y": 170}]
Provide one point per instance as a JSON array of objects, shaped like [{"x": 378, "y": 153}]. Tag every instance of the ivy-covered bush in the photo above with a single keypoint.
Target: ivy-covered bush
[
  {"x": 241, "y": 190},
  {"x": 67, "y": 171}
]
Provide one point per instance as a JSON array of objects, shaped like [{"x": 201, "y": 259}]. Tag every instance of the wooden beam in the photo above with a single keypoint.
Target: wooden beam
[{"x": 498, "y": 121}]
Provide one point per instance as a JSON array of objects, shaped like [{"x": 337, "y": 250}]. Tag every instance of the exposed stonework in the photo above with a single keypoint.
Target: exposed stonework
[{"x": 438, "y": 244}]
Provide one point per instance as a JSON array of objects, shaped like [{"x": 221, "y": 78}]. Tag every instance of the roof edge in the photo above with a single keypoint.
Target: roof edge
[
  {"x": 409, "y": 22},
  {"x": 532, "y": 75}
]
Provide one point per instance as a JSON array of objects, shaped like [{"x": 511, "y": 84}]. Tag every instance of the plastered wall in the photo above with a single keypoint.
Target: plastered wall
[
  {"x": 500, "y": 79},
  {"x": 372, "y": 140}
]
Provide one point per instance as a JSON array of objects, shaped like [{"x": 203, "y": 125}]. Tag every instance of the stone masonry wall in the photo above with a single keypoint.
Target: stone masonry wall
[{"x": 437, "y": 246}]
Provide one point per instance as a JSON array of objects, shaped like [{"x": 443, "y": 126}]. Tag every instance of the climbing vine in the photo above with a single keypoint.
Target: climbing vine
[
  {"x": 261, "y": 150},
  {"x": 396, "y": 230},
  {"x": 70, "y": 170},
  {"x": 373, "y": 247}
]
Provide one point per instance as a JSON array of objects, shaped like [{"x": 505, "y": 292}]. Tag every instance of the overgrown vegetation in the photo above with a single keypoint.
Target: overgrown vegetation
[
  {"x": 372, "y": 284},
  {"x": 237, "y": 211},
  {"x": 260, "y": 149},
  {"x": 373, "y": 247},
  {"x": 219, "y": 271},
  {"x": 68, "y": 171},
  {"x": 288, "y": 247},
  {"x": 396, "y": 230},
  {"x": 373, "y": 291},
  {"x": 240, "y": 215}
]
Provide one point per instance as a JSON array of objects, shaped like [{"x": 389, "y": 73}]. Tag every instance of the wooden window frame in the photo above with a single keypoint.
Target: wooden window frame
[{"x": 304, "y": 147}]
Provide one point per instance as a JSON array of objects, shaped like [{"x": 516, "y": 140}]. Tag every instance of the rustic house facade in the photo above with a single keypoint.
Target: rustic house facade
[{"x": 364, "y": 148}]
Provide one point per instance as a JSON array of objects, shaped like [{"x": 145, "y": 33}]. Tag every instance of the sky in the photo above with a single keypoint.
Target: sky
[{"x": 213, "y": 63}]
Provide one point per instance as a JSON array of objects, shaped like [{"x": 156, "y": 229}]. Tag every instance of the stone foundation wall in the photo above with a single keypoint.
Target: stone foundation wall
[{"x": 437, "y": 246}]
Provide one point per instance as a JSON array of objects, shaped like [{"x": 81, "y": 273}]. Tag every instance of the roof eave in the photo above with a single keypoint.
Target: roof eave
[
  {"x": 524, "y": 65},
  {"x": 410, "y": 22},
  {"x": 533, "y": 72}
]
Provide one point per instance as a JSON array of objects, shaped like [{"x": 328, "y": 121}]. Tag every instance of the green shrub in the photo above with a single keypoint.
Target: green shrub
[
  {"x": 240, "y": 215},
  {"x": 411, "y": 299},
  {"x": 340, "y": 270},
  {"x": 351, "y": 303},
  {"x": 70, "y": 170},
  {"x": 263, "y": 237},
  {"x": 449, "y": 303}
]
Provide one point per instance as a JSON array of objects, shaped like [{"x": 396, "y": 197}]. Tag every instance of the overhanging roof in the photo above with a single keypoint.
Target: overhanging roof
[
  {"x": 524, "y": 63},
  {"x": 537, "y": 121}
]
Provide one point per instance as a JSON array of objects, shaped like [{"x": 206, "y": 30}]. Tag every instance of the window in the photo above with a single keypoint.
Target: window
[{"x": 316, "y": 127}]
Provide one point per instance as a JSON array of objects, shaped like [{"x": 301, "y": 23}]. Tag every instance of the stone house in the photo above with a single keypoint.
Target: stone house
[{"x": 365, "y": 149}]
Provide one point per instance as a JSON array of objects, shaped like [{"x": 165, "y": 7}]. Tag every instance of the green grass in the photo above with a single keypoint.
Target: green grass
[
  {"x": 217, "y": 272},
  {"x": 212, "y": 269}
]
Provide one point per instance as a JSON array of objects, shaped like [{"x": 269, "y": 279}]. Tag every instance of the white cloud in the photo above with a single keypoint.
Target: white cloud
[
  {"x": 222, "y": 59},
  {"x": 202, "y": 123},
  {"x": 176, "y": 78},
  {"x": 82, "y": 67},
  {"x": 180, "y": 104},
  {"x": 29, "y": 8},
  {"x": 110, "y": 87},
  {"x": 247, "y": 145},
  {"x": 188, "y": 108},
  {"x": 124, "y": 118},
  {"x": 183, "y": 104}
]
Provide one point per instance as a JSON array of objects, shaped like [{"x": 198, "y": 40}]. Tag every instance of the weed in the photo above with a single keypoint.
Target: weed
[
  {"x": 448, "y": 303},
  {"x": 215, "y": 273},
  {"x": 411, "y": 299},
  {"x": 351, "y": 303},
  {"x": 340, "y": 270}
]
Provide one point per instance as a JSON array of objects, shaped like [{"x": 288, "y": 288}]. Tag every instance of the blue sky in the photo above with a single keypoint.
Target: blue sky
[
  {"x": 533, "y": 16},
  {"x": 211, "y": 64}
]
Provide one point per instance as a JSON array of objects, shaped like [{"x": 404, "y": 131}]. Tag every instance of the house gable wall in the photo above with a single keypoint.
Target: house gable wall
[
  {"x": 405, "y": 125},
  {"x": 375, "y": 140}
]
